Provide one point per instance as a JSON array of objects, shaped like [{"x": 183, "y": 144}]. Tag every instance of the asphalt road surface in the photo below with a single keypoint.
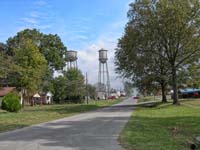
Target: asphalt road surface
[{"x": 96, "y": 130}]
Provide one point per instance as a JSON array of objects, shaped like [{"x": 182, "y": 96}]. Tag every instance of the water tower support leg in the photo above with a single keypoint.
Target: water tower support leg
[{"x": 108, "y": 80}]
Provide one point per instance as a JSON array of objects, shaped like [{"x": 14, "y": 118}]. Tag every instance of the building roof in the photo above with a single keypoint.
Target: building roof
[
  {"x": 6, "y": 90},
  {"x": 36, "y": 95}
]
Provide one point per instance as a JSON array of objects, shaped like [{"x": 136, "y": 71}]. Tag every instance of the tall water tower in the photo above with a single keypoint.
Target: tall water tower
[
  {"x": 71, "y": 59},
  {"x": 103, "y": 75}
]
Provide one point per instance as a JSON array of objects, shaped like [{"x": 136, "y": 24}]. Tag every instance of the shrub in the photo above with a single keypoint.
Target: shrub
[
  {"x": 76, "y": 99},
  {"x": 11, "y": 102}
]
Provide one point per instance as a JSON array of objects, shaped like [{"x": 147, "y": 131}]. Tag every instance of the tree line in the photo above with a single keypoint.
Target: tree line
[
  {"x": 160, "y": 48},
  {"x": 28, "y": 62}
]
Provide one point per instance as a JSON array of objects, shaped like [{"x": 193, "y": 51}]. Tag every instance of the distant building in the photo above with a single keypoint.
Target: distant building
[{"x": 41, "y": 98}]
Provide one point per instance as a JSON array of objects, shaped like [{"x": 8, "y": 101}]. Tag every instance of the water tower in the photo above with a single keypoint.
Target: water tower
[
  {"x": 103, "y": 75},
  {"x": 71, "y": 59}
]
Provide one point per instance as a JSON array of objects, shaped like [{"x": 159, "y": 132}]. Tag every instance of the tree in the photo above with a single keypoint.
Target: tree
[
  {"x": 53, "y": 49},
  {"x": 69, "y": 87},
  {"x": 128, "y": 88},
  {"x": 3, "y": 67},
  {"x": 178, "y": 33},
  {"x": 31, "y": 67},
  {"x": 167, "y": 29},
  {"x": 6, "y": 65},
  {"x": 188, "y": 76},
  {"x": 59, "y": 86},
  {"x": 3, "y": 47},
  {"x": 92, "y": 91},
  {"x": 75, "y": 85},
  {"x": 49, "y": 45},
  {"x": 14, "y": 42},
  {"x": 144, "y": 68}
]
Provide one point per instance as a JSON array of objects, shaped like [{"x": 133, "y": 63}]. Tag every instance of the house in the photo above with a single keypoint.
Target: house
[
  {"x": 49, "y": 98},
  {"x": 41, "y": 98},
  {"x": 4, "y": 91}
]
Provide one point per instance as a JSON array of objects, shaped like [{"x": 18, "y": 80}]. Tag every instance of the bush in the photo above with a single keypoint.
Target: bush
[
  {"x": 74, "y": 99},
  {"x": 11, "y": 102}
]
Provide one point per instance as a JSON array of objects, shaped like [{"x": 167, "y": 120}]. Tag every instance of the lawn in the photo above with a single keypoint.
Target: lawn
[
  {"x": 193, "y": 103},
  {"x": 165, "y": 127},
  {"x": 38, "y": 114},
  {"x": 149, "y": 98}
]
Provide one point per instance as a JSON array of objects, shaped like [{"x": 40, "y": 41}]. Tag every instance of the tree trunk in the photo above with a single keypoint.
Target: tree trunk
[
  {"x": 174, "y": 85},
  {"x": 163, "y": 88},
  {"x": 23, "y": 98}
]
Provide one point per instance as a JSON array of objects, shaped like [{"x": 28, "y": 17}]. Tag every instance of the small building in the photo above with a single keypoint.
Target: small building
[
  {"x": 36, "y": 99},
  {"x": 101, "y": 95},
  {"x": 4, "y": 91},
  {"x": 41, "y": 98},
  {"x": 48, "y": 98}
]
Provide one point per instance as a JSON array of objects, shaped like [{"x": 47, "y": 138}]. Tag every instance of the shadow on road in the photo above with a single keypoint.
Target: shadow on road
[{"x": 94, "y": 130}]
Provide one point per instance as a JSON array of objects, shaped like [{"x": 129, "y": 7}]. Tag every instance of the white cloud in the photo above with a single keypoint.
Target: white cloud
[
  {"x": 35, "y": 14},
  {"x": 30, "y": 20},
  {"x": 40, "y": 3},
  {"x": 40, "y": 17},
  {"x": 79, "y": 37}
]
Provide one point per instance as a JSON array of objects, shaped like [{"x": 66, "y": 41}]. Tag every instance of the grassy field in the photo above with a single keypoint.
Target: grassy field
[
  {"x": 37, "y": 114},
  {"x": 165, "y": 127},
  {"x": 149, "y": 98},
  {"x": 192, "y": 103}
]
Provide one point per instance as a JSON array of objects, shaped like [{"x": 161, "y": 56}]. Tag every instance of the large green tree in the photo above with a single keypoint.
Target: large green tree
[
  {"x": 6, "y": 65},
  {"x": 59, "y": 86},
  {"x": 188, "y": 76},
  {"x": 76, "y": 84},
  {"x": 167, "y": 29},
  {"x": 3, "y": 67},
  {"x": 69, "y": 87},
  {"x": 31, "y": 67},
  {"x": 49, "y": 45},
  {"x": 144, "y": 69}
]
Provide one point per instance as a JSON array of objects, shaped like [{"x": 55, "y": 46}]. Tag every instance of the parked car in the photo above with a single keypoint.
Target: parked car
[
  {"x": 112, "y": 97},
  {"x": 136, "y": 97}
]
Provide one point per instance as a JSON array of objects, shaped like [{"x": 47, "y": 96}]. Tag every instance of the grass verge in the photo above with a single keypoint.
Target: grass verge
[
  {"x": 149, "y": 98},
  {"x": 165, "y": 127},
  {"x": 38, "y": 114}
]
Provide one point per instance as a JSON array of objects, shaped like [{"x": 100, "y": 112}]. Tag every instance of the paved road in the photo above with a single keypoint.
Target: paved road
[{"x": 97, "y": 130}]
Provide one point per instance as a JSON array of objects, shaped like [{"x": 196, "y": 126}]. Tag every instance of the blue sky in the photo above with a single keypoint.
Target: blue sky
[{"x": 83, "y": 25}]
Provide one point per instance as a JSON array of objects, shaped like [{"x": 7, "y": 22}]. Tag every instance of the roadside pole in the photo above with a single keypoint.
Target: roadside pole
[{"x": 86, "y": 87}]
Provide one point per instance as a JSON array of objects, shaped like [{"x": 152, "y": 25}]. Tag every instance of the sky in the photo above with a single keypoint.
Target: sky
[{"x": 83, "y": 25}]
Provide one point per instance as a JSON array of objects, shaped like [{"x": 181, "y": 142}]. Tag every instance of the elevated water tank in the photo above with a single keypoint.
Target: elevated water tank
[
  {"x": 71, "y": 56},
  {"x": 103, "y": 55}
]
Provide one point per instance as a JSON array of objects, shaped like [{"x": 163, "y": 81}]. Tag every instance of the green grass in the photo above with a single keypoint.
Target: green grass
[
  {"x": 193, "y": 102},
  {"x": 149, "y": 98},
  {"x": 165, "y": 127},
  {"x": 38, "y": 114}
]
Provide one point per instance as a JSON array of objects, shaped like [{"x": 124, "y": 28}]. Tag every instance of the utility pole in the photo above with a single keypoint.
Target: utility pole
[{"x": 86, "y": 87}]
